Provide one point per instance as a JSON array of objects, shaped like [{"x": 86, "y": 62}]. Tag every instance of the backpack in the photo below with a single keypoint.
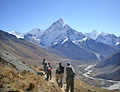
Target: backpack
[
  {"x": 69, "y": 71},
  {"x": 49, "y": 69},
  {"x": 60, "y": 70},
  {"x": 45, "y": 63}
]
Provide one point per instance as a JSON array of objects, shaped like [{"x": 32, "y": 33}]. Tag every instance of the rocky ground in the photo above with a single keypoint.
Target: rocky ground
[
  {"x": 32, "y": 78},
  {"x": 12, "y": 80}
]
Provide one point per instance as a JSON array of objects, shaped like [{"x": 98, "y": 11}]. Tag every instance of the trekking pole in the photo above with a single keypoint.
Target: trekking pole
[{"x": 64, "y": 82}]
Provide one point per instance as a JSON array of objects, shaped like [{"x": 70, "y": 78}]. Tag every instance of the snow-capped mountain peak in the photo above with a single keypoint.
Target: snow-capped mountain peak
[
  {"x": 59, "y": 24},
  {"x": 17, "y": 34},
  {"x": 60, "y": 31},
  {"x": 93, "y": 35},
  {"x": 104, "y": 34},
  {"x": 106, "y": 38},
  {"x": 61, "y": 21},
  {"x": 36, "y": 31}
]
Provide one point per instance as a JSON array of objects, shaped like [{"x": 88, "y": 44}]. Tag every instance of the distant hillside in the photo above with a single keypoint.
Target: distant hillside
[
  {"x": 72, "y": 51},
  {"x": 113, "y": 60},
  {"x": 101, "y": 50},
  {"x": 111, "y": 67},
  {"x": 25, "y": 51}
]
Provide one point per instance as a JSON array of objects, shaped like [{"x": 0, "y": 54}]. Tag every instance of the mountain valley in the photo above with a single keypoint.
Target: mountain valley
[{"x": 21, "y": 56}]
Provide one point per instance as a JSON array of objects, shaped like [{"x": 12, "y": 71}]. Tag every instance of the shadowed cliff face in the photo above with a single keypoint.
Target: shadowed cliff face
[{"x": 109, "y": 68}]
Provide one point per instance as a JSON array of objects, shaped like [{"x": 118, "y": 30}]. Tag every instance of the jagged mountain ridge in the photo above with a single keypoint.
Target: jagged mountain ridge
[
  {"x": 59, "y": 30},
  {"x": 105, "y": 38},
  {"x": 93, "y": 35},
  {"x": 55, "y": 34},
  {"x": 58, "y": 33},
  {"x": 109, "y": 39}
]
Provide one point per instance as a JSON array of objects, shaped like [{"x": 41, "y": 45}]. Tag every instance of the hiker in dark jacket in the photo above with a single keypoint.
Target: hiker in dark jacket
[
  {"x": 59, "y": 74},
  {"x": 44, "y": 65},
  {"x": 70, "y": 74},
  {"x": 49, "y": 72}
]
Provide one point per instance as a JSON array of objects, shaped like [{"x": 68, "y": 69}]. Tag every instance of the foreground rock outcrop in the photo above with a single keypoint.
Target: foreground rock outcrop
[{"x": 14, "y": 61}]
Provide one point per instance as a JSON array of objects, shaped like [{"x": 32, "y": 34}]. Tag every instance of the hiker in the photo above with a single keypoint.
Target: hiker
[
  {"x": 70, "y": 74},
  {"x": 44, "y": 65},
  {"x": 59, "y": 74},
  {"x": 49, "y": 72}
]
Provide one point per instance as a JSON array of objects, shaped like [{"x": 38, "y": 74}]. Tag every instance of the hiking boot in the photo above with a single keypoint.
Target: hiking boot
[
  {"x": 66, "y": 90},
  {"x": 61, "y": 86},
  {"x": 46, "y": 79},
  {"x": 58, "y": 84}
]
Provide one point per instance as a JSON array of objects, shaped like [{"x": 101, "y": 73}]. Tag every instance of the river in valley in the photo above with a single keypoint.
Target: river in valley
[{"x": 116, "y": 84}]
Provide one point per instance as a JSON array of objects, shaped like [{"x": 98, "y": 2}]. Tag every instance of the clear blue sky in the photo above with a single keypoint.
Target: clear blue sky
[{"x": 81, "y": 15}]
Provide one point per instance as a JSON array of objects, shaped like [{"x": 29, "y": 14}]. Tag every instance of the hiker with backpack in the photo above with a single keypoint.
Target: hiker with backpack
[
  {"x": 70, "y": 74},
  {"x": 44, "y": 65},
  {"x": 49, "y": 72},
  {"x": 59, "y": 75}
]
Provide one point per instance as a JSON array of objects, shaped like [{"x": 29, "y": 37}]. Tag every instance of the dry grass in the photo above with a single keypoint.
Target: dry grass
[{"x": 12, "y": 80}]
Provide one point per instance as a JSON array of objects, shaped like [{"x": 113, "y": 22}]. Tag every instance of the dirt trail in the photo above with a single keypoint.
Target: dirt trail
[{"x": 53, "y": 80}]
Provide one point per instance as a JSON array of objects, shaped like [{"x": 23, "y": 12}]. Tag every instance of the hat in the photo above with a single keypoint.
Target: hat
[{"x": 68, "y": 63}]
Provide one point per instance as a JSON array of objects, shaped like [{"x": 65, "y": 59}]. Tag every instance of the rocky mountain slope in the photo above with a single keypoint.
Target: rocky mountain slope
[
  {"x": 25, "y": 51},
  {"x": 11, "y": 80},
  {"x": 72, "y": 51},
  {"x": 99, "y": 49},
  {"x": 109, "y": 68},
  {"x": 15, "y": 62}
]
